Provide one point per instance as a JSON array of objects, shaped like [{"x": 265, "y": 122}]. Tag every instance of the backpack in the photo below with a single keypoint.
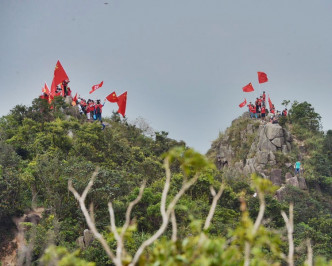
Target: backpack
[{"x": 98, "y": 110}]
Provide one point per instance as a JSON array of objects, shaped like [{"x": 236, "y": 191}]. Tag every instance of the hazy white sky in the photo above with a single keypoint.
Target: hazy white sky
[{"x": 183, "y": 62}]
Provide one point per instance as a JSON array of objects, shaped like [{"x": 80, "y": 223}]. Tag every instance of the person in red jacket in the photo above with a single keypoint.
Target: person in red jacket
[
  {"x": 249, "y": 109},
  {"x": 263, "y": 98},
  {"x": 92, "y": 109},
  {"x": 284, "y": 112},
  {"x": 263, "y": 112},
  {"x": 68, "y": 92},
  {"x": 98, "y": 111},
  {"x": 253, "y": 110}
]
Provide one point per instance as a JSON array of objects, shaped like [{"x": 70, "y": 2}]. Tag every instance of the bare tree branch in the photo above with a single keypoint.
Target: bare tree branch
[
  {"x": 174, "y": 227},
  {"x": 216, "y": 197},
  {"x": 247, "y": 251},
  {"x": 87, "y": 216},
  {"x": 130, "y": 208},
  {"x": 310, "y": 254},
  {"x": 260, "y": 213},
  {"x": 290, "y": 229},
  {"x": 112, "y": 221},
  {"x": 258, "y": 222},
  {"x": 185, "y": 186}
]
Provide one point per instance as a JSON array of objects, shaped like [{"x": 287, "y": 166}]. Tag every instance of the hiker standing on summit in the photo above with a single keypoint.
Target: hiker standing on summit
[{"x": 99, "y": 110}]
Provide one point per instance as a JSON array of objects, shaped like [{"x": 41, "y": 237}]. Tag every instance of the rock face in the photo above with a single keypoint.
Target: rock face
[
  {"x": 276, "y": 177},
  {"x": 281, "y": 193},
  {"x": 269, "y": 139},
  {"x": 88, "y": 237},
  {"x": 263, "y": 140},
  {"x": 298, "y": 182},
  {"x": 85, "y": 240}
]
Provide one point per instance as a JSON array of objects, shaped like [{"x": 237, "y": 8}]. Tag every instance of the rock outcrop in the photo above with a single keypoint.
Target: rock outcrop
[
  {"x": 269, "y": 139},
  {"x": 85, "y": 240}
]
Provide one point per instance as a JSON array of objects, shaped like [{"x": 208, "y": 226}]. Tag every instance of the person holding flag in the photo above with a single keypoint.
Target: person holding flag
[
  {"x": 60, "y": 75},
  {"x": 98, "y": 111}
]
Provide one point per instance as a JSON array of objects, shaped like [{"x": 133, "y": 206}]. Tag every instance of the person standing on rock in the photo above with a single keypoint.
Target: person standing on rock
[
  {"x": 297, "y": 167},
  {"x": 263, "y": 112}
]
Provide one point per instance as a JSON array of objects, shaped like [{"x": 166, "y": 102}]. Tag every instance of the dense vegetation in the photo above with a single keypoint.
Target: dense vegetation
[{"x": 41, "y": 149}]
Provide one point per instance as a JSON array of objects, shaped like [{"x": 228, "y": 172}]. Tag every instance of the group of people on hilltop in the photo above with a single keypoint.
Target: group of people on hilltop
[
  {"x": 90, "y": 108},
  {"x": 259, "y": 110}
]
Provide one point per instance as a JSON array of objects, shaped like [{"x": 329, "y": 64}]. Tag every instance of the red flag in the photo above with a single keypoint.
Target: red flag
[
  {"x": 243, "y": 103},
  {"x": 248, "y": 88},
  {"x": 45, "y": 89},
  {"x": 262, "y": 77},
  {"x": 75, "y": 98},
  {"x": 94, "y": 87},
  {"x": 59, "y": 76},
  {"x": 122, "y": 102},
  {"x": 270, "y": 102},
  {"x": 112, "y": 97}
]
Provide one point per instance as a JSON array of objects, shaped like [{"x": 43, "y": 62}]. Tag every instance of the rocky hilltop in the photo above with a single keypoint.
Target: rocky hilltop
[{"x": 253, "y": 146}]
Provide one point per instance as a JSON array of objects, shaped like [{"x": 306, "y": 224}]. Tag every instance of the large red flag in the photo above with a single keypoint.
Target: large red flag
[
  {"x": 262, "y": 77},
  {"x": 112, "y": 97},
  {"x": 94, "y": 87},
  {"x": 122, "y": 102},
  {"x": 248, "y": 88},
  {"x": 243, "y": 103},
  {"x": 45, "y": 89},
  {"x": 59, "y": 76}
]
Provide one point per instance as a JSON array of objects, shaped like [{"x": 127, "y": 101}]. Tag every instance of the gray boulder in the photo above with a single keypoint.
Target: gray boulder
[
  {"x": 88, "y": 237},
  {"x": 288, "y": 176},
  {"x": 278, "y": 142},
  {"x": 80, "y": 242},
  {"x": 281, "y": 193},
  {"x": 275, "y": 177},
  {"x": 264, "y": 144},
  {"x": 287, "y": 135},
  {"x": 262, "y": 157},
  {"x": 293, "y": 181},
  {"x": 302, "y": 183},
  {"x": 273, "y": 131},
  {"x": 284, "y": 149}
]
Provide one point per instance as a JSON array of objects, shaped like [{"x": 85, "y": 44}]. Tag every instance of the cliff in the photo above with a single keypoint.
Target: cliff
[{"x": 254, "y": 146}]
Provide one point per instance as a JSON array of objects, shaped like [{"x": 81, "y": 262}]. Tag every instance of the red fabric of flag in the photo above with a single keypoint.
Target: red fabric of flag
[
  {"x": 112, "y": 97},
  {"x": 243, "y": 103},
  {"x": 59, "y": 76},
  {"x": 262, "y": 77},
  {"x": 45, "y": 89},
  {"x": 94, "y": 87},
  {"x": 270, "y": 102},
  {"x": 122, "y": 103},
  {"x": 75, "y": 98},
  {"x": 248, "y": 88}
]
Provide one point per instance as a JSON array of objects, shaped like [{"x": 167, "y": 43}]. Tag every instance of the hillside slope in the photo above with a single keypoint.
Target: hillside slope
[{"x": 42, "y": 149}]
